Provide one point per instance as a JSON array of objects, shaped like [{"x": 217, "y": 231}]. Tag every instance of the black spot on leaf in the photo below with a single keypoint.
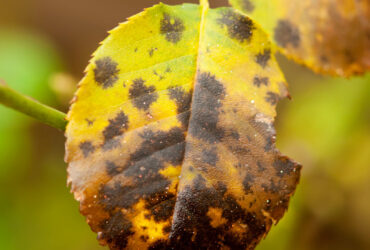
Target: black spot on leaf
[
  {"x": 263, "y": 58},
  {"x": 161, "y": 206},
  {"x": 205, "y": 108},
  {"x": 192, "y": 228},
  {"x": 172, "y": 27},
  {"x": 258, "y": 81},
  {"x": 210, "y": 156},
  {"x": 115, "y": 127},
  {"x": 183, "y": 101},
  {"x": 284, "y": 166},
  {"x": 239, "y": 27},
  {"x": 269, "y": 144},
  {"x": 272, "y": 98},
  {"x": 112, "y": 169},
  {"x": 247, "y": 5},
  {"x": 142, "y": 95},
  {"x": 87, "y": 148},
  {"x": 106, "y": 71},
  {"x": 116, "y": 230},
  {"x": 143, "y": 167},
  {"x": 286, "y": 33},
  {"x": 248, "y": 183}
]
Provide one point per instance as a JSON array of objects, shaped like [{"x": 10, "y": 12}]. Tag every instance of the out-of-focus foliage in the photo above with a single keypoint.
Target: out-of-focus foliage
[
  {"x": 26, "y": 62},
  {"x": 34, "y": 199},
  {"x": 170, "y": 141},
  {"x": 329, "y": 36}
]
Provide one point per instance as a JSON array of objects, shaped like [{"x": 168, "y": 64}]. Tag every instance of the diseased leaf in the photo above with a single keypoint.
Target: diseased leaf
[
  {"x": 170, "y": 140},
  {"x": 329, "y": 36}
]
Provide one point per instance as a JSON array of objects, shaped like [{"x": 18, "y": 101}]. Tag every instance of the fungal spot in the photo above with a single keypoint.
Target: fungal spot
[
  {"x": 235, "y": 134},
  {"x": 89, "y": 122},
  {"x": 172, "y": 27},
  {"x": 142, "y": 95},
  {"x": 286, "y": 33},
  {"x": 161, "y": 206},
  {"x": 247, "y": 5},
  {"x": 263, "y": 58},
  {"x": 284, "y": 166},
  {"x": 210, "y": 156},
  {"x": 116, "y": 127},
  {"x": 269, "y": 144},
  {"x": 194, "y": 229},
  {"x": 116, "y": 230},
  {"x": 272, "y": 98},
  {"x": 206, "y": 108},
  {"x": 248, "y": 183},
  {"x": 271, "y": 188},
  {"x": 105, "y": 72},
  {"x": 143, "y": 168},
  {"x": 239, "y": 27},
  {"x": 183, "y": 101},
  {"x": 261, "y": 168},
  {"x": 112, "y": 169},
  {"x": 151, "y": 51},
  {"x": 258, "y": 81},
  {"x": 87, "y": 148}
]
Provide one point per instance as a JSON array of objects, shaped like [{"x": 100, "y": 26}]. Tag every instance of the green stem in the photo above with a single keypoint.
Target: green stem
[{"x": 28, "y": 106}]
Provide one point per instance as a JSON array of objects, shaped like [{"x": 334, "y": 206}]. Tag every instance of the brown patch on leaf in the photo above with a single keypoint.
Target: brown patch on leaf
[
  {"x": 106, "y": 71},
  {"x": 287, "y": 34},
  {"x": 238, "y": 26},
  {"x": 263, "y": 58},
  {"x": 172, "y": 27},
  {"x": 142, "y": 96}
]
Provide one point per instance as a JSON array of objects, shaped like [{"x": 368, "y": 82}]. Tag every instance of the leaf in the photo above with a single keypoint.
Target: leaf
[
  {"x": 328, "y": 36},
  {"x": 170, "y": 140}
]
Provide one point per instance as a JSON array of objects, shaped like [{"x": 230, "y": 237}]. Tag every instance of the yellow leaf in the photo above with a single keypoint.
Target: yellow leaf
[
  {"x": 328, "y": 36},
  {"x": 170, "y": 140}
]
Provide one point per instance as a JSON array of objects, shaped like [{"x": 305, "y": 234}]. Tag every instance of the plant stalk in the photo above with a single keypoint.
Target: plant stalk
[{"x": 33, "y": 108}]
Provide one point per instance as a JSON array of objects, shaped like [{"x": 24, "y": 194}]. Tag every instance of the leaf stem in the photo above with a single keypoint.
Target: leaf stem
[{"x": 33, "y": 108}]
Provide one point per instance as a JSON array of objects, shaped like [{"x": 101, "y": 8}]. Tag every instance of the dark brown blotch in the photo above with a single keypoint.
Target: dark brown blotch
[
  {"x": 172, "y": 27},
  {"x": 258, "y": 81},
  {"x": 286, "y": 33},
  {"x": 206, "y": 105},
  {"x": 238, "y": 26},
  {"x": 151, "y": 51},
  {"x": 272, "y": 98},
  {"x": 248, "y": 183},
  {"x": 263, "y": 58},
  {"x": 116, "y": 230},
  {"x": 112, "y": 169},
  {"x": 143, "y": 96},
  {"x": 115, "y": 128},
  {"x": 192, "y": 228},
  {"x": 106, "y": 72},
  {"x": 87, "y": 148},
  {"x": 247, "y": 5},
  {"x": 183, "y": 101},
  {"x": 284, "y": 166},
  {"x": 210, "y": 156},
  {"x": 269, "y": 144},
  {"x": 143, "y": 168},
  {"x": 161, "y": 206}
]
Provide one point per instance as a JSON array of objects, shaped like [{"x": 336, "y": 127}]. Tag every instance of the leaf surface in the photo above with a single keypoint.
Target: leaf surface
[
  {"x": 328, "y": 36},
  {"x": 170, "y": 140}
]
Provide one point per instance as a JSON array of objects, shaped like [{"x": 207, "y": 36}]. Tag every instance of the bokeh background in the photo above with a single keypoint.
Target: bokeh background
[{"x": 45, "y": 46}]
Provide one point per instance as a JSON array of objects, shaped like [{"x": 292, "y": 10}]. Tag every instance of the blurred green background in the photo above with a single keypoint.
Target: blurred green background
[{"x": 44, "y": 48}]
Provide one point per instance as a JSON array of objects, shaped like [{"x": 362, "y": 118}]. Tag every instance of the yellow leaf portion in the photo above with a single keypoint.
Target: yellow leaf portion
[
  {"x": 328, "y": 36},
  {"x": 170, "y": 140}
]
